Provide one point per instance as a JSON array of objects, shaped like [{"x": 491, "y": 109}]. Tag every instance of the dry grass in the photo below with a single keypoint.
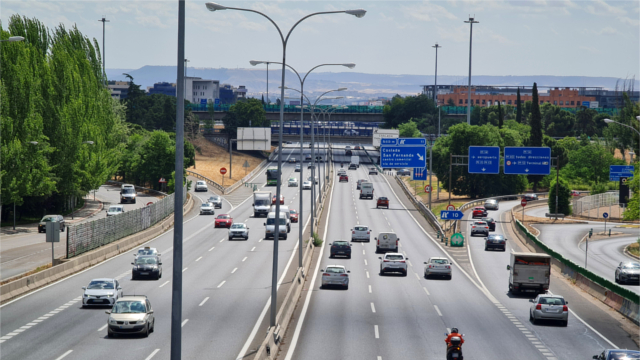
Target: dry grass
[
  {"x": 214, "y": 157},
  {"x": 36, "y": 270},
  {"x": 634, "y": 248},
  {"x": 618, "y": 155}
]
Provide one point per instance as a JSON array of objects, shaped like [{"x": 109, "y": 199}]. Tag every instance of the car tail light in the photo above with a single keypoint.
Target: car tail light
[
  {"x": 402, "y": 261},
  {"x": 538, "y": 307},
  {"x": 367, "y": 233},
  {"x": 448, "y": 266},
  {"x": 345, "y": 275},
  {"x": 378, "y": 242},
  {"x": 333, "y": 246},
  {"x": 396, "y": 243},
  {"x": 429, "y": 266},
  {"x": 565, "y": 308},
  {"x": 385, "y": 260},
  {"x": 353, "y": 232},
  {"x": 473, "y": 227},
  {"x": 325, "y": 274},
  {"x": 486, "y": 227}
]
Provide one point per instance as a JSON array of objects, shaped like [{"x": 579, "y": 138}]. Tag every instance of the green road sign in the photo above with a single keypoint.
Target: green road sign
[{"x": 457, "y": 240}]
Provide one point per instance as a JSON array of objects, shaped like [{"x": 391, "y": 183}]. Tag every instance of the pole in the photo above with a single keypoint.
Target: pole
[
  {"x": 231, "y": 158},
  {"x": 471, "y": 21},
  {"x": 301, "y": 216},
  {"x": 586, "y": 251},
  {"x": 312, "y": 172},
  {"x": 268, "y": 102},
  {"x": 104, "y": 72},
  {"x": 53, "y": 257},
  {"x": 14, "y": 215},
  {"x": 450, "y": 166},
  {"x": 176, "y": 291},
  {"x": 435, "y": 87},
  {"x": 430, "y": 170}
]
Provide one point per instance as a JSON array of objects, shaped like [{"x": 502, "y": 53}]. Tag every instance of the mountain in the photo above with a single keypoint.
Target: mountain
[{"x": 361, "y": 86}]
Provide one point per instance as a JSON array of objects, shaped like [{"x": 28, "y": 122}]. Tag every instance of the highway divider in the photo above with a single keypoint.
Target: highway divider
[{"x": 424, "y": 210}]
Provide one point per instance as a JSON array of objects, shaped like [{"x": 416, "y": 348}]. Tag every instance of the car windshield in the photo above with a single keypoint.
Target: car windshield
[
  {"x": 201, "y": 183},
  {"x": 146, "y": 252},
  {"x": 146, "y": 261},
  {"x": 335, "y": 270},
  {"x": 480, "y": 223},
  {"x": 206, "y": 205},
  {"x": 262, "y": 202},
  {"x": 439, "y": 261},
  {"x": 49, "y": 218},
  {"x": 115, "y": 209},
  {"x": 479, "y": 208},
  {"x": 496, "y": 237},
  {"x": 100, "y": 285},
  {"x": 292, "y": 211},
  {"x": 623, "y": 355},
  {"x": 394, "y": 257},
  {"x": 238, "y": 226},
  {"x": 224, "y": 217},
  {"x": 214, "y": 198},
  {"x": 127, "y": 307},
  {"x": 292, "y": 180},
  {"x": 551, "y": 301},
  {"x": 341, "y": 243},
  {"x": 272, "y": 221},
  {"x": 360, "y": 228},
  {"x": 383, "y": 198},
  {"x": 632, "y": 266},
  {"x": 487, "y": 219}
]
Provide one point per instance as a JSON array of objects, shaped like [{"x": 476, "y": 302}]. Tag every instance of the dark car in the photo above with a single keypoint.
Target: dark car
[
  {"x": 490, "y": 222},
  {"x": 628, "y": 272},
  {"x": 347, "y": 153},
  {"x": 403, "y": 172},
  {"x": 292, "y": 160},
  {"x": 42, "y": 226},
  {"x": 495, "y": 241},
  {"x": 530, "y": 197},
  {"x": 147, "y": 267},
  {"x": 307, "y": 157},
  {"x": 617, "y": 354},
  {"x": 340, "y": 247}
]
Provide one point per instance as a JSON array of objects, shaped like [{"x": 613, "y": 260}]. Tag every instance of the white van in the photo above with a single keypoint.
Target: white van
[
  {"x": 387, "y": 241},
  {"x": 366, "y": 190},
  {"x": 127, "y": 194},
  {"x": 270, "y": 226},
  {"x": 284, "y": 209}
]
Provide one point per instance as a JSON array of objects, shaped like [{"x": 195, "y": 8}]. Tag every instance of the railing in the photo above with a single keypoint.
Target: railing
[
  {"x": 93, "y": 234},
  {"x": 594, "y": 202},
  {"x": 247, "y": 177},
  {"x": 426, "y": 212},
  {"x": 206, "y": 179}
]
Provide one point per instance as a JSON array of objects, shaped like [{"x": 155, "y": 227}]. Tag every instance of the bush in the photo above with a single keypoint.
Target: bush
[
  {"x": 598, "y": 188},
  {"x": 564, "y": 197},
  {"x": 317, "y": 242}
]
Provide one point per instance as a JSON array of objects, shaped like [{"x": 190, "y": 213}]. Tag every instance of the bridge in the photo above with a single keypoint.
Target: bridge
[{"x": 293, "y": 115}]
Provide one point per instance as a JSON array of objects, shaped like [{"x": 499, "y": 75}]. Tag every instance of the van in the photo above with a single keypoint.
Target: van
[
  {"x": 366, "y": 190},
  {"x": 285, "y": 210},
  {"x": 270, "y": 226},
  {"x": 127, "y": 194},
  {"x": 387, "y": 241}
]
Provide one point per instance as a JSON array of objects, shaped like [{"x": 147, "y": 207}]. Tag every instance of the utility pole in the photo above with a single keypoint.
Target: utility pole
[
  {"x": 104, "y": 72},
  {"x": 435, "y": 86},
  {"x": 471, "y": 21}
]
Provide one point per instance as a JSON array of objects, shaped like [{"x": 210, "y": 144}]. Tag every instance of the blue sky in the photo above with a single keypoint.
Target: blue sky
[{"x": 519, "y": 37}]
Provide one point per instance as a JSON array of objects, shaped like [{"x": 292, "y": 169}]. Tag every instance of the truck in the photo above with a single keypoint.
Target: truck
[
  {"x": 355, "y": 162},
  {"x": 529, "y": 272},
  {"x": 261, "y": 203},
  {"x": 366, "y": 190}
]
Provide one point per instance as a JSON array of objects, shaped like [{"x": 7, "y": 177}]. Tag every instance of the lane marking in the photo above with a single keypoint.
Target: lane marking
[
  {"x": 222, "y": 283},
  {"x": 373, "y": 308},
  {"x": 198, "y": 259},
  {"x": 152, "y": 354},
  {"x": 184, "y": 322},
  {"x": 64, "y": 355},
  {"x": 367, "y": 274},
  {"x": 185, "y": 269},
  {"x": 369, "y": 289},
  {"x": 245, "y": 258},
  {"x": 212, "y": 248},
  {"x": 437, "y": 310},
  {"x": 204, "y": 301},
  {"x": 362, "y": 252},
  {"x": 427, "y": 291},
  {"x": 103, "y": 327},
  {"x": 234, "y": 270},
  {"x": 260, "y": 239},
  {"x": 375, "y": 330},
  {"x": 365, "y": 262},
  {"x": 222, "y": 240},
  {"x": 418, "y": 276},
  {"x": 253, "y": 248}
]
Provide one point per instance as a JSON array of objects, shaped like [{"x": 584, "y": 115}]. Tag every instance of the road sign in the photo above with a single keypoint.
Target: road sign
[
  {"x": 616, "y": 172},
  {"x": 246, "y": 164},
  {"x": 427, "y": 188},
  {"x": 484, "y": 160},
  {"x": 403, "y": 152},
  {"x": 162, "y": 180},
  {"x": 527, "y": 160},
  {"x": 451, "y": 207},
  {"x": 451, "y": 215},
  {"x": 53, "y": 231},
  {"x": 605, "y": 215},
  {"x": 419, "y": 174},
  {"x": 523, "y": 202},
  {"x": 217, "y": 102},
  {"x": 223, "y": 171},
  {"x": 456, "y": 240},
  {"x": 203, "y": 101}
]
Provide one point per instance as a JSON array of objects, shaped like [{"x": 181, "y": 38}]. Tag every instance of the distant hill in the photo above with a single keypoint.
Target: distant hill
[{"x": 361, "y": 86}]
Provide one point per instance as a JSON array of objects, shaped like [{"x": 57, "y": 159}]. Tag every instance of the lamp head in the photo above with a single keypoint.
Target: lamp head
[
  {"x": 357, "y": 12},
  {"x": 211, "y": 6},
  {"x": 608, "y": 121},
  {"x": 341, "y": 89},
  {"x": 88, "y": 142},
  {"x": 15, "y": 38},
  {"x": 349, "y": 65},
  {"x": 33, "y": 142},
  {"x": 255, "y": 62},
  {"x": 638, "y": 118}
]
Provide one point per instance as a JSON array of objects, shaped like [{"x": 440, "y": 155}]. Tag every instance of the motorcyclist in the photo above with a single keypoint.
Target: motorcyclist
[{"x": 454, "y": 332}]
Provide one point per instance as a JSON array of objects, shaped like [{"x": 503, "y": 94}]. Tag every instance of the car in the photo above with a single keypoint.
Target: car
[
  {"x": 628, "y": 272},
  {"x": 289, "y": 142},
  {"x": 491, "y": 204},
  {"x": 101, "y": 292},
  {"x": 386, "y": 241},
  {"x": 310, "y": 166},
  {"x": 42, "y": 225},
  {"x": 618, "y": 354},
  {"x": 306, "y": 185},
  {"x": 127, "y": 194},
  {"x": 216, "y": 200},
  {"x": 353, "y": 167},
  {"x": 479, "y": 227},
  {"x": 360, "y": 181},
  {"x": 575, "y": 193},
  {"x": 348, "y": 153},
  {"x": 366, "y": 190},
  {"x": 479, "y": 212},
  {"x": 207, "y": 208},
  {"x": 549, "y": 307},
  {"x": 439, "y": 266},
  {"x": 393, "y": 262},
  {"x": 403, "y": 172},
  {"x": 307, "y": 157},
  {"x": 490, "y": 222},
  {"x": 357, "y": 147},
  {"x": 344, "y": 178},
  {"x": 361, "y": 233},
  {"x": 495, "y": 241},
  {"x": 292, "y": 160},
  {"x": 316, "y": 179},
  {"x": 373, "y": 171},
  {"x": 336, "y": 275},
  {"x": 293, "y": 215},
  {"x": 223, "y": 220},
  {"x": 131, "y": 314},
  {"x": 297, "y": 168},
  {"x": 342, "y": 171},
  {"x": 340, "y": 247},
  {"x": 318, "y": 158},
  {"x": 347, "y": 147},
  {"x": 530, "y": 197},
  {"x": 147, "y": 266},
  {"x": 239, "y": 230},
  {"x": 270, "y": 226},
  {"x": 146, "y": 251},
  {"x": 201, "y": 186},
  {"x": 273, "y": 200},
  {"x": 283, "y": 209},
  {"x": 382, "y": 201},
  {"x": 293, "y": 182},
  {"x": 115, "y": 210},
  {"x": 350, "y": 133}
]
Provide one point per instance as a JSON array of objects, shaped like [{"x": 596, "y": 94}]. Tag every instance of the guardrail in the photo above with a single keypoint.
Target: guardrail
[
  {"x": 424, "y": 210},
  {"x": 206, "y": 179}
]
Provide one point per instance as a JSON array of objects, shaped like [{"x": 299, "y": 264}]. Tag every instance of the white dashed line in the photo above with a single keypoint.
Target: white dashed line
[
  {"x": 253, "y": 248},
  {"x": 234, "y": 270},
  {"x": 185, "y": 269},
  {"x": 375, "y": 330},
  {"x": 369, "y": 289},
  {"x": 165, "y": 283},
  {"x": 245, "y": 258},
  {"x": 427, "y": 291},
  {"x": 184, "y": 322},
  {"x": 367, "y": 274},
  {"x": 260, "y": 240},
  {"x": 365, "y": 261},
  {"x": 362, "y": 252},
  {"x": 418, "y": 276},
  {"x": 64, "y": 355},
  {"x": 437, "y": 310},
  {"x": 222, "y": 240},
  {"x": 373, "y": 308},
  {"x": 198, "y": 259},
  {"x": 204, "y": 301},
  {"x": 222, "y": 283},
  {"x": 103, "y": 327},
  {"x": 152, "y": 354}
]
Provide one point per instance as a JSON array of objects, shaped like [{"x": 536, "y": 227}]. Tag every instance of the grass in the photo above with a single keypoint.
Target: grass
[
  {"x": 317, "y": 242},
  {"x": 34, "y": 271},
  {"x": 213, "y": 157},
  {"x": 635, "y": 248}
]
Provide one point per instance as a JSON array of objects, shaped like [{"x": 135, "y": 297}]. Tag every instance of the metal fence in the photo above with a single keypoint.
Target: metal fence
[
  {"x": 593, "y": 206},
  {"x": 93, "y": 234}
]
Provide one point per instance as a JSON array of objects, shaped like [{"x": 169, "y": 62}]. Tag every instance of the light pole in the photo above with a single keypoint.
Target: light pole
[
  {"x": 254, "y": 63},
  {"x": 274, "y": 278},
  {"x": 104, "y": 71},
  {"x": 185, "y": 76},
  {"x": 435, "y": 86},
  {"x": 13, "y": 39},
  {"x": 471, "y": 21}
]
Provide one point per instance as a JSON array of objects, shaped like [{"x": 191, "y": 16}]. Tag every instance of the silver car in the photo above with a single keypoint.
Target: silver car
[
  {"x": 549, "y": 307},
  {"x": 361, "y": 233},
  {"x": 216, "y": 200},
  {"x": 491, "y": 204},
  {"x": 239, "y": 230},
  {"x": 207, "y": 208},
  {"x": 293, "y": 182},
  {"x": 437, "y": 266},
  {"x": 147, "y": 251},
  {"x": 101, "y": 292},
  {"x": 131, "y": 314},
  {"x": 297, "y": 167},
  {"x": 115, "y": 210},
  {"x": 335, "y": 275},
  {"x": 479, "y": 227},
  {"x": 306, "y": 185},
  {"x": 627, "y": 272}
]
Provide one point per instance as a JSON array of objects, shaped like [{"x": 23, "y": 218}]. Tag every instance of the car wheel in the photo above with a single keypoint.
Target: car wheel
[
  {"x": 110, "y": 334},
  {"x": 377, "y": 250},
  {"x": 565, "y": 323},
  {"x": 153, "y": 327},
  {"x": 346, "y": 287},
  {"x": 348, "y": 256},
  {"x": 530, "y": 317},
  {"x": 330, "y": 256},
  {"x": 230, "y": 237},
  {"x": 404, "y": 273},
  {"x": 450, "y": 276},
  {"x": 485, "y": 248},
  {"x": 426, "y": 276},
  {"x": 146, "y": 331},
  {"x": 533, "y": 320}
]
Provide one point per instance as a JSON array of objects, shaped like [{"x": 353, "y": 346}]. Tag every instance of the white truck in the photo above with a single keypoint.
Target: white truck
[
  {"x": 366, "y": 190},
  {"x": 529, "y": 272},
  {"x": 355, "y": 162},
  {"x": 261, "y": 203}
]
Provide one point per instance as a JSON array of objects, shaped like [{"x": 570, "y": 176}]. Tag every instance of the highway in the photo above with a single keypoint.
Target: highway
[
  {"x": 392, "y": 317},
  {"x": 25, "y": 252}
]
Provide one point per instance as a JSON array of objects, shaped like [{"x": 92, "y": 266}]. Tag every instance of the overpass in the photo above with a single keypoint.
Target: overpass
[{"x": 295, "y": 115}]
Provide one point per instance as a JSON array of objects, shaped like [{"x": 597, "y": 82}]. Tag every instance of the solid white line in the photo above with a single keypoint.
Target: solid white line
[
  {"x": 375, "y": 330},
  {"x": 184, "y": 322},
  {"x": 65, "y": 354},
  {"x": 212, "y": 248},
  {"x": 222, "y": 283},
  {"x": 198, "y": 259},
  {"x": 373, "y": 308},
  {"x": 204, "y": 301},
  {"x": 103, "y": 327},
  {"x": 437, "y": 310},
  {"x": 152, "y": 354},
  {"x": 234, "y": 270},
  {"x": 369, "y": 289},
  {"x": 245, "y": 258}
]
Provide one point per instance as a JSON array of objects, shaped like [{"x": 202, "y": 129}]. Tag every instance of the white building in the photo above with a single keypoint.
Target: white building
[{"x": 201, "y": 91}]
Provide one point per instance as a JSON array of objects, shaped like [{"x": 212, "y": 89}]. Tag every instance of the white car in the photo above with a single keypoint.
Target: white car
[
  {"x": 336, "y": 275},
  {"x": 293, "y": 182},
  {"x": 207, "y": 208},
  {"x": 101, "y": 292},
  {"x": 393, "y": 262},
  {"x": 115, "y": 210},
  {"x": 270, "y": 226},
  {"x": 306, "y": 185},
  {"x": 216, "y": 200},
  {"x": 549, "y": 307},
  {"x": 437, "y": 266},
  {"x": 342, "y": 172},
  {"x": 361, "y": 233},
  {"x": 201, "y": 186},
  {"x": 146, "y": 251},
  {"x": 239, "y": 230}
]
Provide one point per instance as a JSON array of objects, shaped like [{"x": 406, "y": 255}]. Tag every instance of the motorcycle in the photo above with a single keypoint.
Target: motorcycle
[{"x": 454, "y": 352}]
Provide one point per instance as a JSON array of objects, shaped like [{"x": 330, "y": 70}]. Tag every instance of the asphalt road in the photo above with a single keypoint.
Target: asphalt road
[
  {"x": 24, "y": 252},
  {"x": 226, "y": 284},
  {"x": 393, "y": 317}
]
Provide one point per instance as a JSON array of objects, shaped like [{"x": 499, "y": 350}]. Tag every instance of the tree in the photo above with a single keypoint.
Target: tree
[
  {"x": 590, "y": 163},
  {"x": 409, "y": 129},
  {"x": 633, "y": 210},
  {"x": 518, "y": 108},
  {"x": 500, "y": 117},
  {"x": 536, "y": 131},
  {"x": 556, "y": 121},
  {"x": 450, "y": 102},
  {"x": 157, "y": 158},
  {"x": 401, "y": 110},
  {"x": 243, "y": 113},
  {"x": 585, "y": 123},
  {"x": 262, "y": 99},
  {"x": 564, "y": 197}
]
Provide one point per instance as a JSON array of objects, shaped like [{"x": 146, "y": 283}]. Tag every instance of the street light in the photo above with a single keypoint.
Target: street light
[
  {"x": 471, "y": 21},
  {"x": 175, "y": 353},
  {"x": 13, "y": 39},
  {"x": 435, "y": 86}
]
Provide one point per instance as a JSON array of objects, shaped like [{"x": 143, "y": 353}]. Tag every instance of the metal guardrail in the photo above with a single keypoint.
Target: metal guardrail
[
  {"x": 426, "y": 212},
  {"x": 206, "y": 179},
  {"x": 93, "y": 234}
]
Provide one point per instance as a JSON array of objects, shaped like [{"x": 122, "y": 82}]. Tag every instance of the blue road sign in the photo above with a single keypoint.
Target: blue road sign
[
  {"x": 420, "y": 174},
  {"x": 605, "y": 215},
  {"x": 620, "y": 171},
  {"x": 451, "y": 214},
  {"x": 217, "y": 102},
  {"x": 527, "y": 160},
  {"x": 203, "y": 101},
  {"x": 484, "y": 160},
  {"x": 403, "y": 152}
]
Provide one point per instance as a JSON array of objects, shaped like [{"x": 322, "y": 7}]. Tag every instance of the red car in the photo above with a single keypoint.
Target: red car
[
  {"x": 382, "y": 201},
  {"x": 479, "y": 211},
  {"x": 293, "y": 216},
  {"x": 273, "y": 201},
  {"x": 575, "y": 193},
  {"x": 344, "y": 178},
  {"x": 224, "y": 220}
]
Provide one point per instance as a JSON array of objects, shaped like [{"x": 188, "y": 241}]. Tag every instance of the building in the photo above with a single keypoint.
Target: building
[
  {"x": 163, "y": 88},
  {"x": 230, "y": 94},
  {"x": 119, "y": 89},
  {"x": 611, "y": 98},
  {"x": 201, "y": 91},
  {"x": 482, "y": 95}
]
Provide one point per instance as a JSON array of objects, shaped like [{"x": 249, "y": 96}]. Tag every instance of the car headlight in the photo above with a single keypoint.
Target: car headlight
[
  {"x": 85, "y": 295},
  {"x": 143, "y": 321},
  {"x": 112, "y": 322},
  {"x": 110, "y": 294}
]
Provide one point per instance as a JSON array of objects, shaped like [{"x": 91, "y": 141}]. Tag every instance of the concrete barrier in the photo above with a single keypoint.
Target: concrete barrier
[{"x": 29, "y": 283}]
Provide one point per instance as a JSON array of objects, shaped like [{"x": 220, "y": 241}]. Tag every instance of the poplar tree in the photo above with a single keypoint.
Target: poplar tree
[
  {"x": 518, "y": 108},
  {"x": 535, "y": 139}
]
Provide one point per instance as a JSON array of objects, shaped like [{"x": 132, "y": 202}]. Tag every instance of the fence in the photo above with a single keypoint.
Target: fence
[
  {"x": 93, "y": 234},
  {"x": 589, "y": 206}
]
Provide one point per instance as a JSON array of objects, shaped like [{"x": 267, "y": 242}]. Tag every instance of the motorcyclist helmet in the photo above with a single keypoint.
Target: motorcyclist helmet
[{"x": 454, "y": 330}]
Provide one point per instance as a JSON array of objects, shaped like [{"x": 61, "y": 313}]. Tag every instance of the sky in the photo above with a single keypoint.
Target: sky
[{"x": 518, "y": 37}]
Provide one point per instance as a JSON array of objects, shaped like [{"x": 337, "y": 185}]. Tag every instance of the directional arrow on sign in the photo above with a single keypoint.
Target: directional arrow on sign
[
  {"x": 483, "y": 169},
  {"x": 527, "y": 170},
  {"x": 420, "y": 157}
]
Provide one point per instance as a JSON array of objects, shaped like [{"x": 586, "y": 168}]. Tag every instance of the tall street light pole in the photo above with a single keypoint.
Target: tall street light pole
[
  {"x": 435, "y": 86},
  {"x": 217, "y": 7},
  {"x": 104, "y": 71},
  {"x": 471, "y": 21}
]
